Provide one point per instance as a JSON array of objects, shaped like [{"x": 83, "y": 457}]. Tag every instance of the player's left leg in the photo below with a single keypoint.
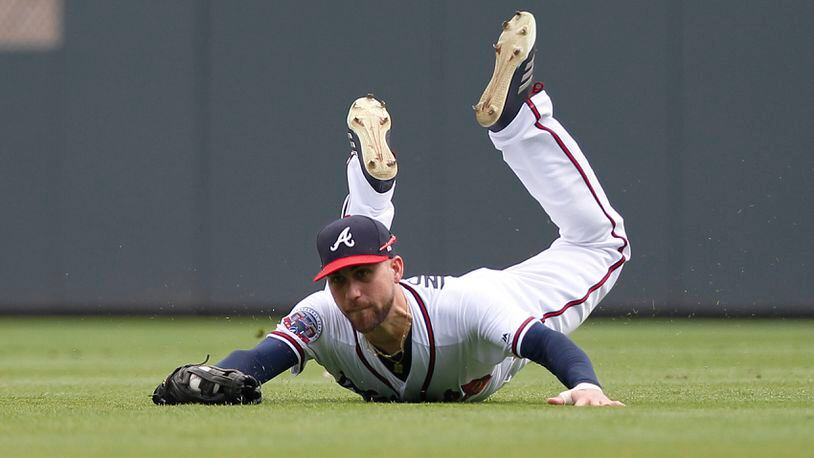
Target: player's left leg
[
  {"x": 371, "y": 167},
  {"x": 564, "y": 283},
  {"x": 573, "y": 275}
]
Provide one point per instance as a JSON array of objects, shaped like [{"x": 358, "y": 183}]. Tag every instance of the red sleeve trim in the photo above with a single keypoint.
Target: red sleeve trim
[
  {"x": 294, "y": 343},
  {"x": 516, "y": 340}
]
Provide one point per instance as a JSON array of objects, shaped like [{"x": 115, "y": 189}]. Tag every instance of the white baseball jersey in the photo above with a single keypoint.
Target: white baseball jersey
[
  {"x": 462, "y": 342},
  {"x": 466, "y": 331}
]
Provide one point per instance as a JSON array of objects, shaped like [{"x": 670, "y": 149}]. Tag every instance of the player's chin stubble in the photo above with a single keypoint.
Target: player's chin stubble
[{"x": 368, "y": 319}]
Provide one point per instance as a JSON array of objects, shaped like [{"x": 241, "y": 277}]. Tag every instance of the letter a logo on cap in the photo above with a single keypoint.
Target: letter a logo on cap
[{"x": 344, "y": 237}]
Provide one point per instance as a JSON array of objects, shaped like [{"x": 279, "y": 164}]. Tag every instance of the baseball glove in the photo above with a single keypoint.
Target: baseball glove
[{"x": 202, "y": 384}]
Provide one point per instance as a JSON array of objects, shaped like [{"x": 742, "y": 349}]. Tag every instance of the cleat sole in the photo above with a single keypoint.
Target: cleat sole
[
  {"x": 519, "y": 34},
  {"x": 369, "y": 120}
]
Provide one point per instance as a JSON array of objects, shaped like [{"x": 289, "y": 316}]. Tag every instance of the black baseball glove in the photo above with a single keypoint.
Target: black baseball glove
[{"x": 202, "y": 384}]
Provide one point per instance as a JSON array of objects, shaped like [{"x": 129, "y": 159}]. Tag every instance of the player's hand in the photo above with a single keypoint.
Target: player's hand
[{"x": 584, "y": 397}]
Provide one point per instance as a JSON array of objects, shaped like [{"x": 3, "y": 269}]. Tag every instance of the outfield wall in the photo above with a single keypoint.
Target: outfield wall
[{"x": 169, "y": 157}]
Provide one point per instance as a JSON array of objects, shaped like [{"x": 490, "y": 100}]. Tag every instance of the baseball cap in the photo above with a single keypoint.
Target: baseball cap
[{"x": 352, "y": 241}]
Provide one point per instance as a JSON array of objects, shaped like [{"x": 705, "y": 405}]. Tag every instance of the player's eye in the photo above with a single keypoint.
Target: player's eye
[
  {"x": 362, "y": 274},
  {"x": 336, "y": 280}
]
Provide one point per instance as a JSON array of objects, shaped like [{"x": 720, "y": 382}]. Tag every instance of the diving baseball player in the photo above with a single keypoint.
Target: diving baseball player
[{"x": 441, "y": 338}]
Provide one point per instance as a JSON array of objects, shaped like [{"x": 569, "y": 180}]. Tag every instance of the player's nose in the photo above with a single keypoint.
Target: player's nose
[{"x": 354, "y": 292}]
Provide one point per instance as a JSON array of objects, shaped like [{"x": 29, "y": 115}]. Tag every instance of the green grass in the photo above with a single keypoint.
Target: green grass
[{"x": 80, "y": 387}]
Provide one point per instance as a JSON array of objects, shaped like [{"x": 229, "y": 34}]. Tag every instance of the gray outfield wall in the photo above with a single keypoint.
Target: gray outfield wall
[{"x": 180, "y": 156}]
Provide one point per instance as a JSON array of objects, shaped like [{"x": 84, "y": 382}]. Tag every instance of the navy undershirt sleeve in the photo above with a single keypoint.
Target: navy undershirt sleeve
[
  {"x": 557, "y": 353},
  {"x": 267, "y": 360}
]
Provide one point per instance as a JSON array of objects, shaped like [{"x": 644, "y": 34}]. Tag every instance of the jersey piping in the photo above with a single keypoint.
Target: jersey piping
[
  {"x": 370, "y": 368},
  {"x": 430, "y": 337}
]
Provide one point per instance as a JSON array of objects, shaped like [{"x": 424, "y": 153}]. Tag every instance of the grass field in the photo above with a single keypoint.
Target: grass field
[{"x": 80, "y": 387}]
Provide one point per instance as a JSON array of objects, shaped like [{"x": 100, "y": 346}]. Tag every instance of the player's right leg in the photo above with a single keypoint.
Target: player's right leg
[
  {"x": 565, "y": 282},
  {"x": 371, "y": 167}
]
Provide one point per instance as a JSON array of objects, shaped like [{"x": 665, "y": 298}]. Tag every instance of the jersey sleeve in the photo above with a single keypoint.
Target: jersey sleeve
[
  {"x": 302, "y": 328},
  {"x": 495, "y": 324}
]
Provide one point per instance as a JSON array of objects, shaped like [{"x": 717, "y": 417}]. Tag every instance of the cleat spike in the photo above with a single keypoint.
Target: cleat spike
[
  {"x": 505, "y": 25},
  {"x": 523, "y": 31},
  {"x": 370, "y": 95},
  {"x": 358, "y": 121},
  {"x": 383, "y": 121},
  {"x": 516, "y": 51},
  {"x": 391, "y": 163},
  {"x": 491, "y": 110},
  {"x": 517, "y": 13},
  {"x": 371, "y": 164}
]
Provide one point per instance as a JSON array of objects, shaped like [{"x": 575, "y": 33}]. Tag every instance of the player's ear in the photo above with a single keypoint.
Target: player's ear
[{"x": 397, "y": 266}]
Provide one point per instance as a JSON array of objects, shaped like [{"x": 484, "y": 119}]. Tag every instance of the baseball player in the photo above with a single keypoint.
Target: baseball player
[{"x": 443, "y": 338}]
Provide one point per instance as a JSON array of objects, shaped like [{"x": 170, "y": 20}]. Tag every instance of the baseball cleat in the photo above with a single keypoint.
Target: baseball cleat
[
  {"x": 369, "y": 135},
  {"x": 514, "y": 67}
]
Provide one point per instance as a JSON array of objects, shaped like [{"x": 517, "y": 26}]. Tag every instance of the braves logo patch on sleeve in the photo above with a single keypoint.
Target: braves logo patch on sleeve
[{"x": 306, "y": 323}]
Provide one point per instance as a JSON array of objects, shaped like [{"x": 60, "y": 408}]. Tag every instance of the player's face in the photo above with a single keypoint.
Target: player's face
[{"x": 365, "y": 293}]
